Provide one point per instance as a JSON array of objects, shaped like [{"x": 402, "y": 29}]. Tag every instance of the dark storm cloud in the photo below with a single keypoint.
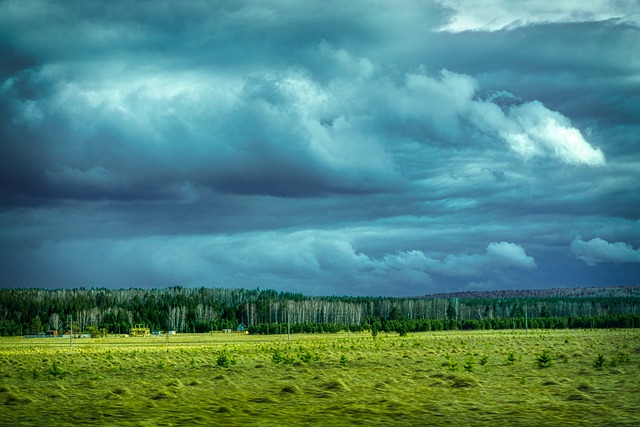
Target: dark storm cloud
[{"x": 360, "y": 148}]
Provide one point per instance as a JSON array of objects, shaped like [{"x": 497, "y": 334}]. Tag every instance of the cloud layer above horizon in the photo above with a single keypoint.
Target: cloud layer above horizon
[{"x": 361, "y": 148}]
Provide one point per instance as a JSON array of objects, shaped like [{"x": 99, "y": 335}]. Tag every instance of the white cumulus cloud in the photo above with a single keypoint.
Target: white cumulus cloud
[
  {"x": 535, "y": 130},
  {"x": 494, "y": 15},
  {"x": 598, "y": 250},
  {"x": 439, "y": 105},
  {"x": 498, "y": 256}
]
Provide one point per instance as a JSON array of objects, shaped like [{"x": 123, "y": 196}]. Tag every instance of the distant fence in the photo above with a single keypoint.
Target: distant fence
[{"x": 57, "y": 336}]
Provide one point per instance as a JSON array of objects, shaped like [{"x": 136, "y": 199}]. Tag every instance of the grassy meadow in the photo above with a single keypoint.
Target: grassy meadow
[{"x": 567, "y": 377}]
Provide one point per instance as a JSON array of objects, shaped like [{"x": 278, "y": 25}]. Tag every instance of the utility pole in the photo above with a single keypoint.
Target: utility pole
[
  {"x": 288, "y": 324},
  {"x": 526, "y": 323},
  {"x": 71, "y": 332}
]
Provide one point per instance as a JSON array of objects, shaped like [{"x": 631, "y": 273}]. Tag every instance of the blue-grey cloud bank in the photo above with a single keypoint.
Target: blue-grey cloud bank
[{"x": 358, "y": 148}]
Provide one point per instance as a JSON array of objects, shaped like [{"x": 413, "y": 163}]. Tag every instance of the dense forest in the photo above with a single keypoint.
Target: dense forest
[{"x": 33, "y": 311}]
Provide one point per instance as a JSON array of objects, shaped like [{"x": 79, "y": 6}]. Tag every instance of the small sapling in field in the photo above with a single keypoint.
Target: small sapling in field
[
  {"x": 225, "y": 360},
  {"x": 452, "y": 364},
  {"x": 544, "y": 359},
  {"x": 484, "y": 360},
  {"x": 307, "y": 357},
  {"x": 619, "y": 359},
  {"x": 55, "y": 370},
  {"x": 469, "y": 364},
  {"x": 511, "y": 358},
  {"x": 374, "y": 331},
  {"x": 279, "y": 357},
  {"x": 600, "y": 361}
]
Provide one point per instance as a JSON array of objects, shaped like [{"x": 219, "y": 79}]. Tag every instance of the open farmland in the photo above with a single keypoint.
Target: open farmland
[{"x": 455, "y": 378}]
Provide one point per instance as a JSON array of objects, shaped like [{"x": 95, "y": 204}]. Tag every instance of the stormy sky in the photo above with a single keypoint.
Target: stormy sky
[{"x": 326, "y": 147}]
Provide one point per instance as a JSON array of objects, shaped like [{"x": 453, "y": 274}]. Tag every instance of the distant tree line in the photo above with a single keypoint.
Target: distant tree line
[{"x": 32, "y": 311}]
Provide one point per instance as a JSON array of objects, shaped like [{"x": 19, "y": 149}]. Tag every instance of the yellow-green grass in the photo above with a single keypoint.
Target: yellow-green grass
[{"x": 344, "y": 379}]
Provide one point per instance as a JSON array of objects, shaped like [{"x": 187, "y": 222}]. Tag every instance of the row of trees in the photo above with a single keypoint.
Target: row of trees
[{"x": 30, "y": 311}]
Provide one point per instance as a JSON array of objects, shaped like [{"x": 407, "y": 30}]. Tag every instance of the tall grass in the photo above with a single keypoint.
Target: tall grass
[{"x": 419, "y": 379}]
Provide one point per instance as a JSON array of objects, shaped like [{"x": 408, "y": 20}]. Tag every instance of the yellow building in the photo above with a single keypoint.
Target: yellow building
[{"x": 139, "y": 331}]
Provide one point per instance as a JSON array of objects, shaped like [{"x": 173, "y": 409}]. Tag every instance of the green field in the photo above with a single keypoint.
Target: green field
[{"x": 444, "y": 378}]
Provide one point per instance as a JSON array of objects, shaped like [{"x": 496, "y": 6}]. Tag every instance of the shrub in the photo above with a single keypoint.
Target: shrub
[
  {"x": 469, "y": 364},
  {"x": 55, "y": 370},
  {"x": 452, "y": 364},
  {"x": 305, "y": 356},
  {"x": 225, "y": 360},
  {"x": 600, "y": 361},
  {"x": 279, "y": 357},
  {"x": 544, "y": 359},
  {"x": 276, "y": 356},
  {"x": 511, "y": 358},
  {"x": 484, "y": 360},
  {"x": 619, "y": 359}
]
